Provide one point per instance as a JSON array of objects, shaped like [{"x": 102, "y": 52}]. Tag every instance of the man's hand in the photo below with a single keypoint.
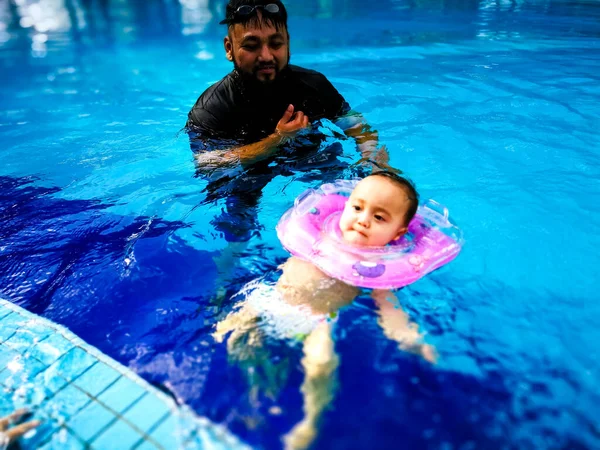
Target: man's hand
[
  {"x": 249, "y": 154},
  {"x": 9, "y": 435},
  {"x": 289, "y": 126}
]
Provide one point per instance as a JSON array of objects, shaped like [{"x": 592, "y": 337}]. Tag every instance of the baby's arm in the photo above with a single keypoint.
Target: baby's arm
[{"x": 396, "y": 325}]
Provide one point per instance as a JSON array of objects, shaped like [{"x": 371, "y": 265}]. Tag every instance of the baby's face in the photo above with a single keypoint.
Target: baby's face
[{"x": 374, "y": 214}]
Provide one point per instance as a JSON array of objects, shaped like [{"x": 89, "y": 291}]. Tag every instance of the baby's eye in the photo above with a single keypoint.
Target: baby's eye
[
  {"x": 356, "y": 207},
  {"x": 379, "y": 218}
]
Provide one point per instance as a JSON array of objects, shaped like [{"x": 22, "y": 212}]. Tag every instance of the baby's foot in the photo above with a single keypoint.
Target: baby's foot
[{"x": 300, "y": 437}]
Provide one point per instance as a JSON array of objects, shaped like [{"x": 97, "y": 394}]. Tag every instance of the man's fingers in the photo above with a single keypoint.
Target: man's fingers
[
  {"x": 20, "y": 430},
  {"x": 14, "y": 417},
  {"x": 305, "y": 122},
  {"x": 287, "y": 115},
  {"x": 299, "y": 117}
]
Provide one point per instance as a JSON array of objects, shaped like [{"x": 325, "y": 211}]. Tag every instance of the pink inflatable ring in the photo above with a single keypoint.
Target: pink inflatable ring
[{"x": 310, "y": 230}]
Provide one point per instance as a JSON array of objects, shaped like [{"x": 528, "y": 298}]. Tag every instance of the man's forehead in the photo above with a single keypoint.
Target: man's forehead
[{"x": 265, "y": 32}]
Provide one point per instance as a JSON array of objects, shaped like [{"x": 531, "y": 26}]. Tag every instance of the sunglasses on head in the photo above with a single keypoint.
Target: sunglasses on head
[{"x": 246, "y": 10}]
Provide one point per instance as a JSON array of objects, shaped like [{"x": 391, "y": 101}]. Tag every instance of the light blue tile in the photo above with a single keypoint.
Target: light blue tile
[
  {"x": 66, "y": 403},
  {"x": 165, "y": 434},
  {"x": 10, "y": 324},
  {"x": 119, "y": 432},
  {"x": 90, "y": 421},
  {"x": 62, "y": 439},
  {"x": 26, "y": 337},
  {"x": 41, "y": 434},
  {"x": 147, "y": 445},
  {"x": 51, "y": 348},
  {"x": 97, "y": 379},
  {"x": 147, "y": 412},
  {"x": 21, "y": 370},
  {"x": 121, "y": 395},
  {"x": 4, "y": 311},
  {"x": 6, "y": 403},
  {"x": 29, "y": 396},
  {"x": 50, "y": 380},
  {"x": 7, "y": 355},
  {"x": 73, "y": 363}
]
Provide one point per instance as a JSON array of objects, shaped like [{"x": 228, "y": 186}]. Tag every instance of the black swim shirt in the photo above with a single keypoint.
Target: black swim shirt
[{"x": 243, "y": 110}]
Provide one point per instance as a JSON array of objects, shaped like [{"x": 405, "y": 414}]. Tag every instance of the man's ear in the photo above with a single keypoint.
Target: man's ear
[{"x": 228, "y": 48}]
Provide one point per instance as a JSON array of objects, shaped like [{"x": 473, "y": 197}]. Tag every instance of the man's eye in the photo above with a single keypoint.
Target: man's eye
[
  {"x": 250, "y": 47},
  {"x": 276, "y": 45}
]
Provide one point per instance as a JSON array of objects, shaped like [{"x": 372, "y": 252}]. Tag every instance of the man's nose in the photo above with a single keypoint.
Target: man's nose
[{"x": 265, "y": 54}]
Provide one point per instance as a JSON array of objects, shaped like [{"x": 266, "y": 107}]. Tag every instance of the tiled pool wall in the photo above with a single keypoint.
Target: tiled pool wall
[{"x": 87, "y": 400}]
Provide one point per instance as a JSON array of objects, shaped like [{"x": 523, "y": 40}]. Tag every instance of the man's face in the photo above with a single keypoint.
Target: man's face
[{"x": 260, "y": 52}]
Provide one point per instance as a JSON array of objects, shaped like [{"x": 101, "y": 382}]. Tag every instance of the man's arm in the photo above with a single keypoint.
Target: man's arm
[
  {"x": 367, "y": 141},
  {"x": 249, "y": 154}
]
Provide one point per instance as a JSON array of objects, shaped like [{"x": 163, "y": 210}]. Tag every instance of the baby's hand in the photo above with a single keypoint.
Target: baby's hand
[{"x": 429, "y": 353}]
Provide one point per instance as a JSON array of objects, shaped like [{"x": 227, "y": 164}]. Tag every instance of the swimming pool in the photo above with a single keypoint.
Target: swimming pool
[{"x": 491, "y": 107}]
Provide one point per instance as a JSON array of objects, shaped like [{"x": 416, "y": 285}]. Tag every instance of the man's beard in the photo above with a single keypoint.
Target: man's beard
[{"x": 252, "y": 79}]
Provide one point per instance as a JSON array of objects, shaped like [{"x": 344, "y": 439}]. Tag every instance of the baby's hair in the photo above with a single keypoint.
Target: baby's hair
[{"x": 407, "y": 186}]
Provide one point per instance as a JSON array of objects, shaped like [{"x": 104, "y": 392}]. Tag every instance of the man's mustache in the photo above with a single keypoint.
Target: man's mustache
[{"x": 265, "y": 66}]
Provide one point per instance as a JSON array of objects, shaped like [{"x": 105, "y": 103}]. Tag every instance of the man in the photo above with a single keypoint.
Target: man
[
  {"x": 264, "y": 102},
  {"x": 255, "y": 124}
]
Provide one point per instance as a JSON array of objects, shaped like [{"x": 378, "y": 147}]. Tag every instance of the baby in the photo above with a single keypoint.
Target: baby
[{"x": 304, "y": 302}]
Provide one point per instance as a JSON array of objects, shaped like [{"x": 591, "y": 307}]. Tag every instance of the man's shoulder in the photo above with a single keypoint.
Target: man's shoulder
[
  {"x": 214, "y": 105},
  {"x": 217, "y": 93},
  {"x": 308, "y": 74}
]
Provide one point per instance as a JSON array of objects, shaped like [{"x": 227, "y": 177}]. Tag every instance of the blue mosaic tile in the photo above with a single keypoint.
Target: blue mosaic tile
[
  {"x": 21, "y": 370},
  {"x": 147, "y": 445},
  {"x": 165, "y": 433},
  {"x": 51, "y": 381},
  {"x": 35, "y": 439},
  {"x": 7, "y": 355},
  {"x": 73, "y": 363},
  {"x": 4, "y": 311},
  {"x": 6, "y": 406},
  {"x": 97, "y": 379},
  {"x": 122, "y": 394},
  {"x": 119, "y": 432},
  {"x": 28, "y": 395},
  {"x": 90, "y": 421},
  {"x": 147, "y": 412},
  {"x": 10, "y": 324},
  {"x": 66, "y": 403},
  {"x": 26, "y": 337},
  {"x": 51, "y": 348},
  {"x": 63, "y": 440}
]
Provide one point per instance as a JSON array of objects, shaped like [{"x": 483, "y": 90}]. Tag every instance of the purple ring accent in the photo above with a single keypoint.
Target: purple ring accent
[{"x": 369, "y": 269}]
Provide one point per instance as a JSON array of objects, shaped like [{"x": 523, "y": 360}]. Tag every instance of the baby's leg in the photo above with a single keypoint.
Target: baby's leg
[
  {"x": 247, "y": 348},
  {"x": 320, "y": 363}
]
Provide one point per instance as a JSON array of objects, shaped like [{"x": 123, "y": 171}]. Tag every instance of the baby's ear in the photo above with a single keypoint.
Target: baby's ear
[{"x": 401, "y": 232}]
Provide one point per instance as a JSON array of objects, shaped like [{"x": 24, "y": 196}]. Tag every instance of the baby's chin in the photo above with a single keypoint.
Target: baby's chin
[{"x": 354, "y": 238}]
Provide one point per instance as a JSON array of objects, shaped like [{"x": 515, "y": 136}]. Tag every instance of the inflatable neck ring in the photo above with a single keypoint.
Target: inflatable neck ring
[{"x": 310, "y": 230}]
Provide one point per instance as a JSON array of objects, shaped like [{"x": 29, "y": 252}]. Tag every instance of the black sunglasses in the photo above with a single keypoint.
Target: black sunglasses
[{"x": 246, "y": 10}]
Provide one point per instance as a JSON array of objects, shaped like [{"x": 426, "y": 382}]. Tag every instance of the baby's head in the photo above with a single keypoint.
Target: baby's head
[{"x": 379, "y": 210}]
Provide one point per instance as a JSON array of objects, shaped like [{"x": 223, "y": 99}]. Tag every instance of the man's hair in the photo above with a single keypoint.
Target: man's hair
[
  {"x": 407, "y": 186},
  {"x": 277, "y": 21}
]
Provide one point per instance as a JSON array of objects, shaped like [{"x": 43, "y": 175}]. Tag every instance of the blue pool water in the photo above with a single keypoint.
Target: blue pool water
[{"x": 491, "y": 107}]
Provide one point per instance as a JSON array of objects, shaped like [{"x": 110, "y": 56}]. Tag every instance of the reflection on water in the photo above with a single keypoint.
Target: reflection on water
[{"x": 39, "y": 24}]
